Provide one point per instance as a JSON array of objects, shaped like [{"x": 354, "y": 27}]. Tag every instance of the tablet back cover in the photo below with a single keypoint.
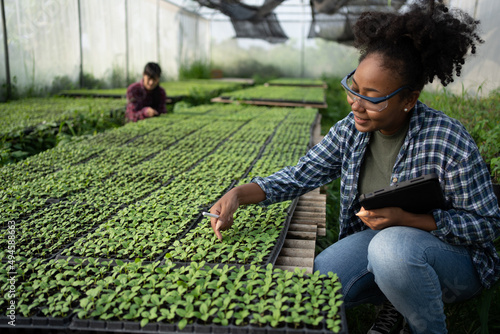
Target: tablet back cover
[{"x": 420, "y": 195}]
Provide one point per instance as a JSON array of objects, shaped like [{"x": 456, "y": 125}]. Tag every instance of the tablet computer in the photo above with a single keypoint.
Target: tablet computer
[{"x": 420, "y": 195}]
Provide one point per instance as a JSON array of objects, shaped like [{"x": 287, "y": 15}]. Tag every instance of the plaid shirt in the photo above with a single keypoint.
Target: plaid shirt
[{"x": 435, "y": 143}]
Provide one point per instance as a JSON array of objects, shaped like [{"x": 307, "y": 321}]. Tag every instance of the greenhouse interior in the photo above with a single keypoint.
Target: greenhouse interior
[{"x": 187, "y": 166}]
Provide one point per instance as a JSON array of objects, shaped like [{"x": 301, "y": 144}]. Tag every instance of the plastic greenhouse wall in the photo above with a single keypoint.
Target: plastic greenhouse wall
[
  {"x": 303, "y": 57},
  {"x": 3, "y": 74},
  {"x": 51, "y": 42},
  {"x": 297, "y": 57},
  {"x": 104, "y": 45},
  {"x": 483, "y": 69},
  {"x": 42, "y": 41}
]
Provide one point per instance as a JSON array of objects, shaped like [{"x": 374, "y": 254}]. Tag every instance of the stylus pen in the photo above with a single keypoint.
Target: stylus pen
[{"x": 208, "y": 214}]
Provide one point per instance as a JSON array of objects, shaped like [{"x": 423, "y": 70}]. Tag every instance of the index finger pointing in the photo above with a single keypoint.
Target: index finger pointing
[{"x": 217, "y": 229}]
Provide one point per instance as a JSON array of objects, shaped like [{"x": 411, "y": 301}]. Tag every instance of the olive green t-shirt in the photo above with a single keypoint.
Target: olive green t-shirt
[{"x": 380, "y": 157}]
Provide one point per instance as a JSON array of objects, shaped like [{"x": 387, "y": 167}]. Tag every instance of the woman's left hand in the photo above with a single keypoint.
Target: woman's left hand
[{"x": 381, "y": 218}]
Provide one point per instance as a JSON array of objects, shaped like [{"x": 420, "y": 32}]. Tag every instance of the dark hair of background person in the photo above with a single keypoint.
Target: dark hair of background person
[
  {"x": 426, "y": 41},
  {"x": 153, "y": 70}
]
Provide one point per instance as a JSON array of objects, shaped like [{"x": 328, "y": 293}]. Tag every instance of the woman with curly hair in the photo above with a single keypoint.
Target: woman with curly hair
[{"x": 411, "y": 263}]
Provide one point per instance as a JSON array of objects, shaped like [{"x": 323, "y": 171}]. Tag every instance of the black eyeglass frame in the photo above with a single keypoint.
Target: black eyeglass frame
[{"x": 374, "y": 100}]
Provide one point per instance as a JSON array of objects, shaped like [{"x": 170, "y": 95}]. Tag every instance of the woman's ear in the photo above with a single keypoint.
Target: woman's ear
[{"x": 412, "y": 99}]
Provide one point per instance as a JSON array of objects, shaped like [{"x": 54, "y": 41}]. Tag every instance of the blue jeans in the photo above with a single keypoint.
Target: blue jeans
[{"x": 410, "y": 267}]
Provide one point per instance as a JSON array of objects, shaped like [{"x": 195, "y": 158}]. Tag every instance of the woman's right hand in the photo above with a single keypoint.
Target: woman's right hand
[
  {"x": 249, "y": 193},
  {"x": 225, "y": 208}
]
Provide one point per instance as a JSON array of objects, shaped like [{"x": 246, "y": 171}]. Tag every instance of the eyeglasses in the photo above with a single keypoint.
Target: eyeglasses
[{"x": 368, "y": 103}]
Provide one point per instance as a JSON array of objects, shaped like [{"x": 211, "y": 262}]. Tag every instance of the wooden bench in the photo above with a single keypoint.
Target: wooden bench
[{"x": 308, "y": 222}]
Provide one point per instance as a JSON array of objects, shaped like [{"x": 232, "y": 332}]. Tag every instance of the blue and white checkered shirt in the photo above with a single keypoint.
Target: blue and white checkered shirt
[{"x": 435, "y": 143}]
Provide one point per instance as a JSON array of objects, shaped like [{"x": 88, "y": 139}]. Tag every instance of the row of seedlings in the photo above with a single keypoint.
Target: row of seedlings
[
  {"x": 153, "y": 297},
  {"x": 25, "y": 114},
  {"x": 256, "y": 230},
  {"x": 31, "y": 126},
  {"x": 102, "y": 185},
  {"x": 307, "y": 82},
  {"x": 196, "y": 88},
  {"x": 56, "y": 299},
  {"x": 178, "y": 204},
  {"x": 278, "y": 93}
]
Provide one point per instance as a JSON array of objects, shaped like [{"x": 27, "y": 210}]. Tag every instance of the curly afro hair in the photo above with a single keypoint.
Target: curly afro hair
[{"x": 425, "y": 42}]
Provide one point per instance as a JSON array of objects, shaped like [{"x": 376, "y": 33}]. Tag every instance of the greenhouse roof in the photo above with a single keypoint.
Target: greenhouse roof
[{"x": 328, "y": 19}]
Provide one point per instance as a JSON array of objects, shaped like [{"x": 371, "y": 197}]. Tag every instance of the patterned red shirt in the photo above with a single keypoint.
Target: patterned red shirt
[{"x": 139, "y": 99}]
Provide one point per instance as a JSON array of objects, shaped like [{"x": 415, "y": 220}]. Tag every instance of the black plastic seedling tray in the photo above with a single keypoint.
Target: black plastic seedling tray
[
  {"x": 39, "y": 323},
  {"x": 269, "y": 259},
  {"x": 156, "y": 328},
  {"x": 72, "y": 324}
]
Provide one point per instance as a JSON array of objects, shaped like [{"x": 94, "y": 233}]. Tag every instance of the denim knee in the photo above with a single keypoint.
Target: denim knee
[
  {"x": 391, "y": 257},
  {"x": 321, "y": 262},
  {"x": 413, "y": 268}
]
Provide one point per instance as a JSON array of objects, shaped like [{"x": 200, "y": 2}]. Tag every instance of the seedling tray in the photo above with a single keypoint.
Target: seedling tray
[
  {"x": 302, "y": 82},
  {"x": 270, "y": 102},
  {"x": 91, "y": 94},
  {"x": 36, "y": 324},
  {"x": 128, "y": 159},
  {"x": 71, "y": 324},
  {"x": 90, "y": 326},
  {"x": 324, "y": 85},
  {"x": 212, "y": 300},
  {"x": 270, "y": 258}
]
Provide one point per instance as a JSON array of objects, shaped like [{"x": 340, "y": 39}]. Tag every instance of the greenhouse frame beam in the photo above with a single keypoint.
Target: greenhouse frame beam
[
  {"x": 6, "y": 51},
  {"x": 127, "y": 75},
  {"x": 80, "y": 42}
]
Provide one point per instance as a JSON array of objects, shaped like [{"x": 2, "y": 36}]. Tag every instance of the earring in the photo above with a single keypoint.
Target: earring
[{"x": 406, "y": 109}]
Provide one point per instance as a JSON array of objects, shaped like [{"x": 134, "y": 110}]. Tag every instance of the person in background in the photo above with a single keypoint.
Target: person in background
[
  {"x": 411, "y": 264},
  {"x": 146, "y": 98}
]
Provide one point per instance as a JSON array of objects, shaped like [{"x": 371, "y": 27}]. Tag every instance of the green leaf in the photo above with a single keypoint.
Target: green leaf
[
  {"x": 180, "y": 312},
  {"x": 182, "y": 324},
  {"x": 84, "y": 302},
  {"x": 155, "y": 299}
]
